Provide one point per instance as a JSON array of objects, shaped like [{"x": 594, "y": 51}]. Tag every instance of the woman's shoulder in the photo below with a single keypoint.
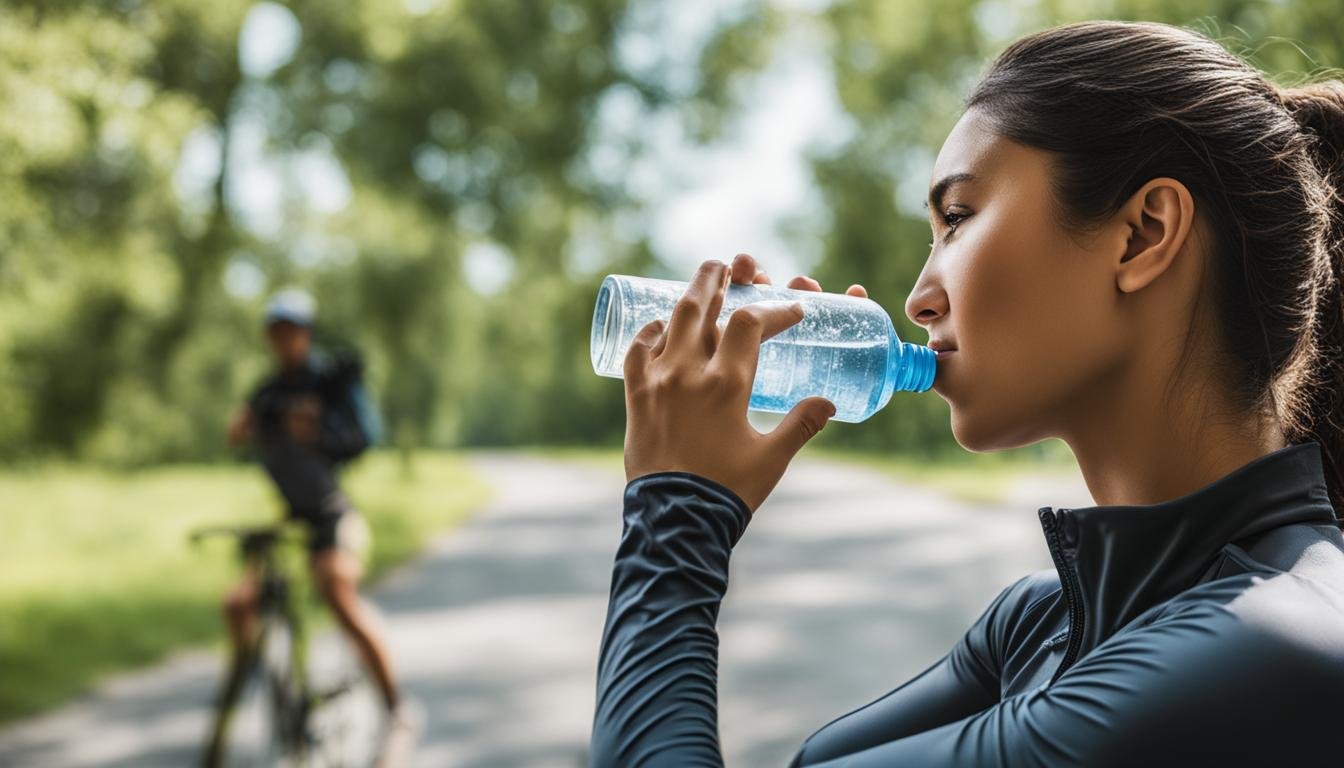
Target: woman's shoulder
[
  {"x": 1313, "y": 552},
  {"x": 1280, "y": 618},
  {"x": 1234, "y": 663},
  {"x": 1031, "y": 590},
  {"x": 1020, "y": 606},
  {"x": 1290, "y": 580}
]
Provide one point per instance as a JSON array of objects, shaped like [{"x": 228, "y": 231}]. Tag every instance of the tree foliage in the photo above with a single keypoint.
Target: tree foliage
[
  {"x": 458, "y": 127},
  {"x": 157, "y": 186}
]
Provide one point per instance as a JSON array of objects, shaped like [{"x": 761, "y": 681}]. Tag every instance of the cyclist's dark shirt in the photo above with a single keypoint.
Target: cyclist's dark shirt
[
  {"x": 306, "y": 475},
  {"x": 1205, "y": 630}
]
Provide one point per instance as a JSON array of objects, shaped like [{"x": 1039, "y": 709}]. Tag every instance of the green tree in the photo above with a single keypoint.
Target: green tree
[{"x": 460, "y": 128}]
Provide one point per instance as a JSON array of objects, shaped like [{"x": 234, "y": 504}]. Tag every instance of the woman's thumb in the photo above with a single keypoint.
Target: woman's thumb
[{"x": 801, "y": 424}]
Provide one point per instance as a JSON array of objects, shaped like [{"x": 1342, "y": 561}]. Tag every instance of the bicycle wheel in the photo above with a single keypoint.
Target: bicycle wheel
[
  {"x": 256, "y": 717},
  {"x": 345, "y": 715}
]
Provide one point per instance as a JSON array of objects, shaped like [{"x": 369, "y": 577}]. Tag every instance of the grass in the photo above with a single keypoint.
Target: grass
[{"x": 96, "y": 574}]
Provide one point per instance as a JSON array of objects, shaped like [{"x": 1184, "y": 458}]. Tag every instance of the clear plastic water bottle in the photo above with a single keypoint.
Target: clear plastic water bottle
[{"x": 844, "y": 349}]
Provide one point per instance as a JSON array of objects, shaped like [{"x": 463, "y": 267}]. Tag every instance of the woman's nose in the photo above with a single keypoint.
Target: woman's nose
[{"x": 927, "y": 301}]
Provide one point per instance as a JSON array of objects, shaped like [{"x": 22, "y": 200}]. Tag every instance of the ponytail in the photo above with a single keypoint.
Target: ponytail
[{"x": 1319, "y": 109}]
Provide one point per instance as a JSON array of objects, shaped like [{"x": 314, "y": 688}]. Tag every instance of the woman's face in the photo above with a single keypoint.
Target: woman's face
[{"x": 1030, "y": 309}]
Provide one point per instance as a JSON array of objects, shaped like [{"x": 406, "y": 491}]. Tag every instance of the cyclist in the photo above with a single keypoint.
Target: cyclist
[{"x": 305, "y": 420}]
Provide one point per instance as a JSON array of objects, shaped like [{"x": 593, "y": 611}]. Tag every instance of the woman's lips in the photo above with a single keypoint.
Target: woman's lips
[
  {"x": 942, "y": 353},
  {"x": 941, "y": 346}
]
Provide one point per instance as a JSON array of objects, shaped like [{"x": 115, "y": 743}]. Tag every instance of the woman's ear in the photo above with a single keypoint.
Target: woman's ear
[{"x": 1157, "y": 219}]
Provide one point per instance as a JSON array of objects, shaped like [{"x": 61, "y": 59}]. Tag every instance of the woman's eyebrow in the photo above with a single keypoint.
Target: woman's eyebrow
[{"x": 937, "y": 191}]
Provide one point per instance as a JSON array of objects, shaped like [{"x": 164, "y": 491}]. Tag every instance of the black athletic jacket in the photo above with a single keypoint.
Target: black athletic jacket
[{"x": 1205, "y": 630}]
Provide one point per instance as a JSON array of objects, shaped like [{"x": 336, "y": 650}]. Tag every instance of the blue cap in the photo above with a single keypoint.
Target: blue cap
[{"x": 291, "y": 305}]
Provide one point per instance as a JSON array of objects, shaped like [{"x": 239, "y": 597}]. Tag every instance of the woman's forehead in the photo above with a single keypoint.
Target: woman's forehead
[{"x": 974, "y": 148}]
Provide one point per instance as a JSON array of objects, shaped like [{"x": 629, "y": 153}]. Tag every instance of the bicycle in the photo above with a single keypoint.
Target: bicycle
[{"x": 291, "y": 721}]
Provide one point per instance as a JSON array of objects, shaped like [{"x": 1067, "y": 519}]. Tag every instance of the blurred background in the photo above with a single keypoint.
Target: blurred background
[{"x": 452, "y": 179}]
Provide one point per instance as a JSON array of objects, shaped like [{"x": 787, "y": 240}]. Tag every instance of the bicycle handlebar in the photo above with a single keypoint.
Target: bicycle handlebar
[{"x": 251, "y": 537}]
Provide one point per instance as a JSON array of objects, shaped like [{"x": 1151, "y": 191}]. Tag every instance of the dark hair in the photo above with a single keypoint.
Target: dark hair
[{"x": 1118, "y": 104}]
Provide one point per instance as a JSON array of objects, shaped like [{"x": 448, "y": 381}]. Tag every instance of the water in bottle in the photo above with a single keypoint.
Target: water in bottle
[{"x": 845, "y": 348}]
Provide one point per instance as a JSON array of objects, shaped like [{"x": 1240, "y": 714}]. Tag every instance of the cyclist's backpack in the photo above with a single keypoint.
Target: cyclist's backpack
[{"x": 350, "y": 423}]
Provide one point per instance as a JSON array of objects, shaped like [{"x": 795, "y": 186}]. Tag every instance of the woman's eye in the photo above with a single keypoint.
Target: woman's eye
[{"x": 951, "y": 219}]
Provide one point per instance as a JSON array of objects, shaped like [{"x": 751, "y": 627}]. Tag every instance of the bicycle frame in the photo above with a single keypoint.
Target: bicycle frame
[{"x": 291, "y": 698}]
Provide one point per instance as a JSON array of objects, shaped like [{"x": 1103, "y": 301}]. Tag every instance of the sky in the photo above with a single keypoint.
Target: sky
[
  {"x": 701, "y": 201},
  {"x": 733, "y": 195}
]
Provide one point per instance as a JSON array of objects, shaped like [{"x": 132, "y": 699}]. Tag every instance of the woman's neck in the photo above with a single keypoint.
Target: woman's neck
[{"x": 1142, "y": 443}]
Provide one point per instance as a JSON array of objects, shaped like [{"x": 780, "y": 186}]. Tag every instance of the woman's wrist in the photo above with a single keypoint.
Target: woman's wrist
[
  {"x": 661, "y": 497},
  {"x": 708, "y": 481}
]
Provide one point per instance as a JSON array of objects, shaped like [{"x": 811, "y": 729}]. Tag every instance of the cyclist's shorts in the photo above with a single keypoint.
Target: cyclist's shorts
[{"x": 338, "y": 525}]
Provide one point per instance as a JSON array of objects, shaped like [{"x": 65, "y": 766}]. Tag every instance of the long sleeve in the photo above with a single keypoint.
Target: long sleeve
[
  {"x": 1205, "y": 687},
  {"x": 961, "y": 683},
  {"x": 657, "y": 676},
  {"x": 657, "y": 691}
]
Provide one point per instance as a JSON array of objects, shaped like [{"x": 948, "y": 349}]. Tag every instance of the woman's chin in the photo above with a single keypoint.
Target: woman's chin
[
  {"x": 966, "y": 438},
  {"x": 980, "y": 436}
]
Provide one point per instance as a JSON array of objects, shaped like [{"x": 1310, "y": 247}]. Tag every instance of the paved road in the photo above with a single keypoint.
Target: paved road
[{"x": 846, "y": 584}]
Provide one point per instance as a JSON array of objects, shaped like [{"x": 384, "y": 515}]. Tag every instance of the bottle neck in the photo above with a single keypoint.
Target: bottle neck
[{"x": 910, "y": 367}]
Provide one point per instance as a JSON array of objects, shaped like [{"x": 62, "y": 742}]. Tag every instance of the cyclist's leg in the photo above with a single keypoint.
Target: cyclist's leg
[
  {"x": 240, "y": 607},
  {"x": 240, "y": 610},
  {"x": 336, "y": 572}
]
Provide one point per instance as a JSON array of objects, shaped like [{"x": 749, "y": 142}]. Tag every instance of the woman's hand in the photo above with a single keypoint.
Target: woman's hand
[{"x": 687, "y": 385}]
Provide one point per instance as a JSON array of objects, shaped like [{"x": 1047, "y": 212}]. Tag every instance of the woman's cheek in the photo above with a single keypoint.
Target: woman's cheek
[{"x": 1007, "y": 335}]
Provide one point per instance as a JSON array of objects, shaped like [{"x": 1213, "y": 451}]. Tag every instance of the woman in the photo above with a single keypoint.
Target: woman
[{"x": 1139, "y": 249}]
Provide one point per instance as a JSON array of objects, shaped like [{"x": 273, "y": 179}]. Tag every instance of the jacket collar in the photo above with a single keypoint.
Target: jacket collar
[{"x": 1117, "y": 561}]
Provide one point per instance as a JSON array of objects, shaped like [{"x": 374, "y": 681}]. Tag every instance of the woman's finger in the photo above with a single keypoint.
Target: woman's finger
[
  {"x": 801, "y": 424},
  {"x": 659, "y": 345},
  {"x": 744, "y": 269},
  {"x": 747, "y": 271},
  {"x": 857, "y": 290},
  {"x": 748, "y": 326},
  {"x": 639, "y": 354},
  {"x": 694, "y": 314},
  {"x": 804, "y": 283},
  {"x": 710, "y": 334}
]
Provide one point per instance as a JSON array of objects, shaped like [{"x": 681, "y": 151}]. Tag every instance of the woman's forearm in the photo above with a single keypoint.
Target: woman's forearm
[{"x": 657, "y": 677}]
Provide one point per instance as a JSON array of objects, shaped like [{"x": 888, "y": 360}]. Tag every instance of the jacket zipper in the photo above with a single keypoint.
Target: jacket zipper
[{"x": 1069, "y": 582}]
